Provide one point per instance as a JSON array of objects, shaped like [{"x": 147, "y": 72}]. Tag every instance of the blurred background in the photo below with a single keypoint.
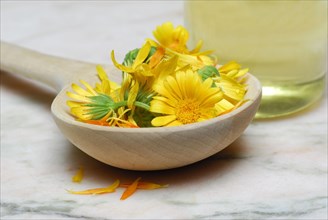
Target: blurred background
[{"x": 85, "y": 30}]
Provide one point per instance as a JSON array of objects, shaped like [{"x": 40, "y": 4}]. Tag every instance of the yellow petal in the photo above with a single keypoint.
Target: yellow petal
[
  {"x": 127, "y": 79},
  {"x": 229, "y": 66},
  {"x": 232, "y": 73},
  {"x": 163, "y": 120},
  {"x": 181, "y": 79},
  {"x": 142, "y": 55},
  {"x": 231, "y": 88},
  {"x": 105, "y": 87},
  {"x": 160, "y": 88},
  {"x": 74, "y": 104},
  {"x": 223, "y": 106},
  {"x": 204, "y": 94},
  {"x": 77, "y": 178},
  {"x": 208, "y": 83},
  {"x": 161, "y": 107},
  {"x": 172, "y": 87},
  {"x": 108, "y": 189},
  {"x": 133, "y": 95},
  {"x": 166, "y": 67},
  {"x": 77, "y": 97},
  {"x": 144, "y": 70},
  {"x": 202, "y": 119},
  {"x": 163, "y": 33},
  {"x": 120, "y": 66},
  {"x": 89, "y": 88},
  {"x": 242, "y": 72},
  {"x": 174, "y": 123},
  {"x": 80, "y": 91},
  {"x": 169, "y": 102},
  {"x": 210, "y": 101},
  {"x": 206, "y": 60},
  {"x": 80, "y": 112},
  {"x": 101, "y": 72}
]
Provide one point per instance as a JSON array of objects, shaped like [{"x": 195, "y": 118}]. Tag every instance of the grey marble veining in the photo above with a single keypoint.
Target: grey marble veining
[{"x": 276, "y": 170}]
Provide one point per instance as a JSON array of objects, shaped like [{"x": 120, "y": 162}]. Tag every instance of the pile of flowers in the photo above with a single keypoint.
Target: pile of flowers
[{"x": 163, "y": 84}]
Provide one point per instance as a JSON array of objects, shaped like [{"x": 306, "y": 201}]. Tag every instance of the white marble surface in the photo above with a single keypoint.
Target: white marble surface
[{"x": 276, "y": 170}]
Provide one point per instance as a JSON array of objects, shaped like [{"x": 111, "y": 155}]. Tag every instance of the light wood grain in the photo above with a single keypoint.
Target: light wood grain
[
  {"x": 130, "y": 148},
  {"x": 53, "y": 71}
]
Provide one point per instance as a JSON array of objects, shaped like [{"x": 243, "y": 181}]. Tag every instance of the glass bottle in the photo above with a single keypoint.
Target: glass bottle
[{"x": 284, "y": 43}]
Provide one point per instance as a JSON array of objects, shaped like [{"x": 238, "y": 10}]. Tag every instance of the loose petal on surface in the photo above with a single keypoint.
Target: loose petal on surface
[
  {"x": 130, "y": 190},
  {"x": 95, "y": 191}
]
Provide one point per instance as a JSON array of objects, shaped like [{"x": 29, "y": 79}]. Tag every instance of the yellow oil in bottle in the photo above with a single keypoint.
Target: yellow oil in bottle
[{"x": 284, "y": 43}]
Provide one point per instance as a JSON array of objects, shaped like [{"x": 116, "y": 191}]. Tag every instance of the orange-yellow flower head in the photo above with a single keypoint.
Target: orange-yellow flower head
[
  {"x": 184, "y": 99},
  {"x": 172, "y": 38}
]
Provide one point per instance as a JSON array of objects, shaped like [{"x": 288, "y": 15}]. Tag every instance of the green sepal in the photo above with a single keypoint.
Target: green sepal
[
  {"x": 143, "y": 117},
  {"x": 100, "y": 106},
  {"x": 208, "y": 72},
  {"x": 131, "y": 56},
  {"x": 151, "y": 52}
]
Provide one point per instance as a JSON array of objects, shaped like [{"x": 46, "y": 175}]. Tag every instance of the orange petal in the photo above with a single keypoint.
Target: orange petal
[
  {"x": 130, "y": 190},
  {"x": 95, "y": 191},
  {"x": 78, "y": 177},
  {"x": 157, "y": 57},
  {"x": 146, "y": 185},
  {"x": 96, "y": 122}
]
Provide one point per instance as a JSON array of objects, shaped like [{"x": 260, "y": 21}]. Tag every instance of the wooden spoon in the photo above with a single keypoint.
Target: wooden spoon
[{"x": 129, "y": 148}]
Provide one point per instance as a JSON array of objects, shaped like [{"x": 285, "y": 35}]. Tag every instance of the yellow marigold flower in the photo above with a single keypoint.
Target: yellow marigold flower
[
  {"x": 96, "y": 108},
  {"x": 89, "y": 104},
  {"x": 173, "y": 38},
  {"x": 184, "y": 99},
  {"x": 105, "y": 104},
  {"x": 93, "y": 103}
]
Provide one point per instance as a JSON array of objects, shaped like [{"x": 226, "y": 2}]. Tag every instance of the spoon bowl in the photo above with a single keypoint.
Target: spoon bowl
[{"x": 131, "y": 148}]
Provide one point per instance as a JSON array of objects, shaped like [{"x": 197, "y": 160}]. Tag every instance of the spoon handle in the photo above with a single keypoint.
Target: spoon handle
[{"x": 53, "y": 71}]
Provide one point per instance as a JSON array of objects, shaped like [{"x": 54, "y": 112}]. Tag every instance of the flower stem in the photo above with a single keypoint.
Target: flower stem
[
  {"x": 142, "y": 105},
  {"x": 136, "y": 103}
]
